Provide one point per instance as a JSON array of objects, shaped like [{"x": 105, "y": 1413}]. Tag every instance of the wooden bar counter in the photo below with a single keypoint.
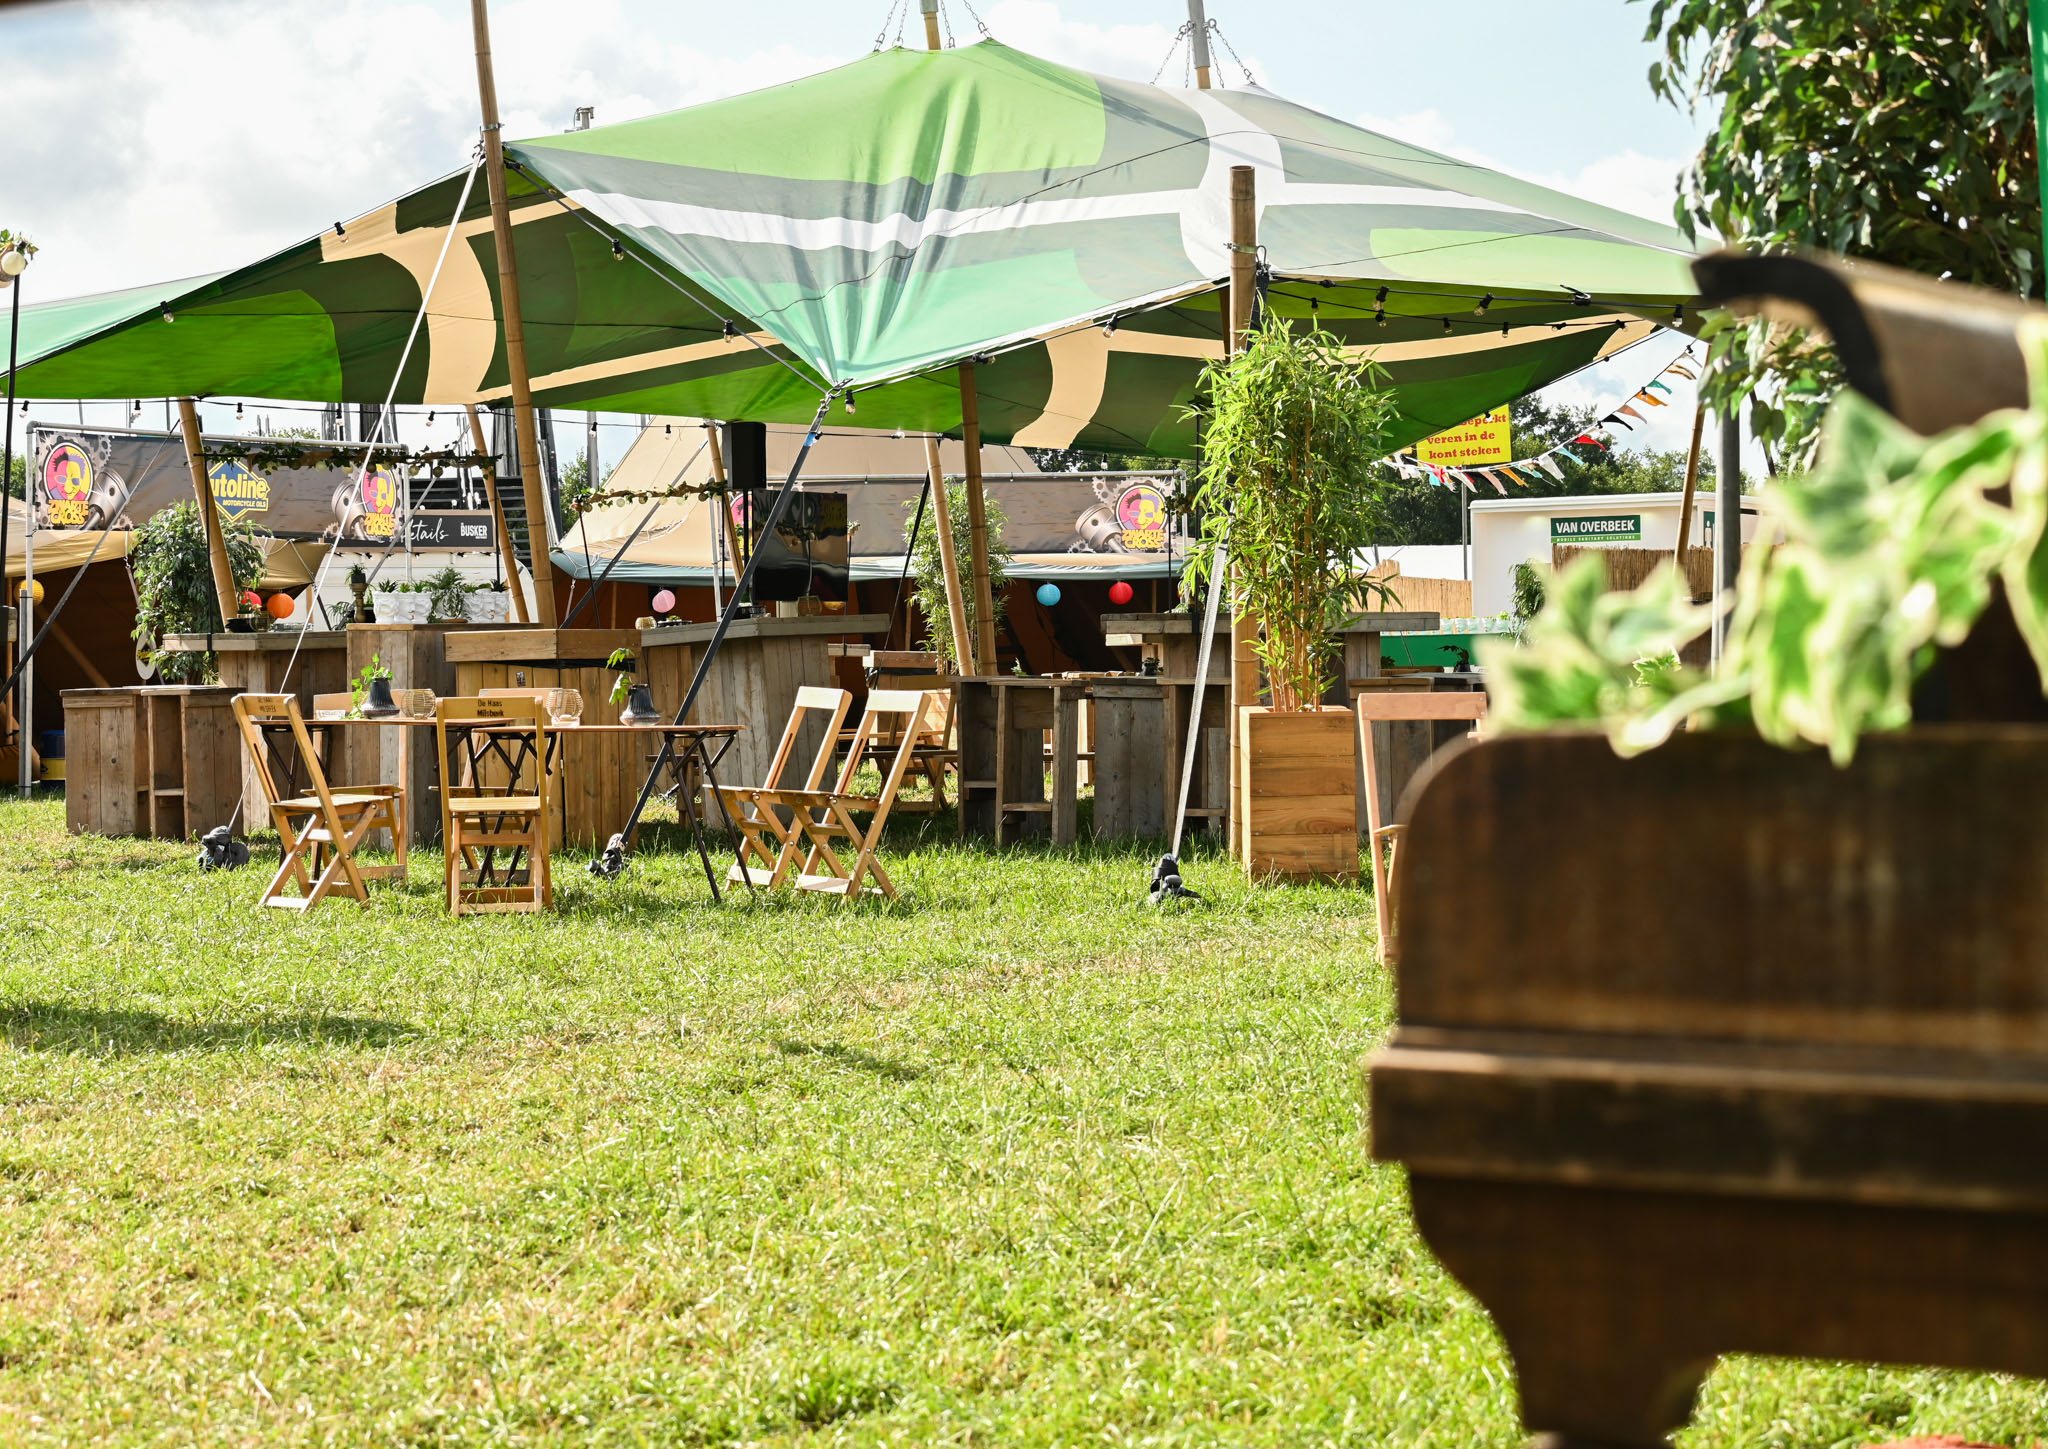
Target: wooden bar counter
[
  {"x": 760, "y": 666},
  {"x": 598, "y": 775}
]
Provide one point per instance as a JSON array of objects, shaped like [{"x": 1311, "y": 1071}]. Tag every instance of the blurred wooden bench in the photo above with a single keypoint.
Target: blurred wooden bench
[{"x": 1722, "y": 1049}]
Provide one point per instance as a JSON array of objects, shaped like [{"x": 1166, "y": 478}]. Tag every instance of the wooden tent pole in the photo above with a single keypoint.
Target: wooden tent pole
[
  {"x": 508, "y": 556},
  {"x": 949, "y": 562},
  {"x": 977, "y": 521},
  {"x": 515, "y": 328},
  {"x": 209, "y": 516},
  {"x": 931, "y": 24},
  {"x": 1692, "y": 478},
  {"x": 732, "y": 535},
  {"x": 1198, "y": 42},
  {"x": 1244, "y": 630}
]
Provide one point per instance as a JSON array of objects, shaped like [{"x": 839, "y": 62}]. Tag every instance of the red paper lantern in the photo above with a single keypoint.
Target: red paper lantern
[
  {"x": 279, "y": 606},
  {"x": 1121, "y": 592},
  {"x": 250, "y": 598}
]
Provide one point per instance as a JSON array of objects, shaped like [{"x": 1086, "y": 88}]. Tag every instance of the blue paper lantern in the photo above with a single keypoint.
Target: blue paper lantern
[{"x": 1048, "y": 594}]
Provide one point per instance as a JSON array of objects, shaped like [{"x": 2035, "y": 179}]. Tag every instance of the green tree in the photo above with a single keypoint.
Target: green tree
[
  {"x": 174, "y": 583},
  {"x": 17, "y": 477},
  {"x": 1898, "y": 130},
  {"x": 928, "y": 571}
]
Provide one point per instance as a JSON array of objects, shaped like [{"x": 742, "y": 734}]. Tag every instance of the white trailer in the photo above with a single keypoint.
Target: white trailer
[{"x": 1508, "y": 531}]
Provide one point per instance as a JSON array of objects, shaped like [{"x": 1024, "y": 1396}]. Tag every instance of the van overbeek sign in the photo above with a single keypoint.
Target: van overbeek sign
[{"x": 1599, "y": 528}]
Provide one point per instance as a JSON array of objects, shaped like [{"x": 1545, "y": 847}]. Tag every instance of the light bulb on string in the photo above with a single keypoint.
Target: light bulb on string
[
  {"x": 1109, "y": 327},
  {"x": 1484, "y": 302},
  {"x": 849, "y": 402},
  {"x": 618, "y": 250},
  {"x": 238, "y": 411},
  {"x": 165, "y": 308},
  {"x": 1379, "y": 307},
  {"x": 340, "y": 230},
  {"x": 1447, "y": 326}
]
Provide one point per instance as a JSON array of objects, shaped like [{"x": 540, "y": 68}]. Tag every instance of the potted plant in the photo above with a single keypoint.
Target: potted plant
[
  {"x": 358, "y": 587},
  {"x": 448, "y": 596},
  {"x": 1294, "y": 433},
  {"x": 639, "y": 703},
  {"x": 371, "y": 695}
]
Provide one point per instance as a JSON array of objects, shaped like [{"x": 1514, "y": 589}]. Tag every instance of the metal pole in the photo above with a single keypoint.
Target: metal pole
[
  {"x": 1727, "y": 528},
  {"x": 1465, "y": 526},
  {"x": 1244, "y": 629},
  {"x": 1198, "y": 40},
  {"x": 24, "y": 624}
]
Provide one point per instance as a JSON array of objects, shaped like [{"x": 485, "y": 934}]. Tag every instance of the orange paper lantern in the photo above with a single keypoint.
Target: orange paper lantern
[{"x": 279, "y": 606}]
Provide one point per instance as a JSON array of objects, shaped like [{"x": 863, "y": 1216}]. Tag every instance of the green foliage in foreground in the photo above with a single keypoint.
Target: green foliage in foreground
[
  {"x": 1891, "y": 550},
  {"x": 1019, "y": 1164}
]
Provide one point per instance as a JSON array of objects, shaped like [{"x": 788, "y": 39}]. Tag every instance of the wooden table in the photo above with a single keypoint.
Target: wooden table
[
  {"x": 1175, "y": 641},
  {"x": 1141, "y": 723},
  {"x": 761, "y": 664},
  {"x": 698, "y": 746}
]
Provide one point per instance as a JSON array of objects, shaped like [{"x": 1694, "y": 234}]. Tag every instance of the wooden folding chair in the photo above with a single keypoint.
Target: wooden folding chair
[
  {"x": 758, "y": 811},
  {"x": 826, "y": 817},
  {"x": 321, "y": 826},
  {"x": 494, "y": 797}
]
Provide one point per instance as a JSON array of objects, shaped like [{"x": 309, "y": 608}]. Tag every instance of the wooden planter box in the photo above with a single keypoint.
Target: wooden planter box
[
  {"x": 1298, "y": 794},
  {"x": 1723, "y": 1049}
]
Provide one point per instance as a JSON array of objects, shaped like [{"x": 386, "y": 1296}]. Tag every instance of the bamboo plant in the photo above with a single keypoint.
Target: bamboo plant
[{"x": 1293, "y": 433}]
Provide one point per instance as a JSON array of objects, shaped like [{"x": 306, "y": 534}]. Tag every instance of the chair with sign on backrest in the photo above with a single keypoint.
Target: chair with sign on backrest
[
  {"x": 320, "y": 827},
  {"x": 888, "y": 732},
  {"x": 758, "y": 811},
  {"x": 494, "y": 798}
]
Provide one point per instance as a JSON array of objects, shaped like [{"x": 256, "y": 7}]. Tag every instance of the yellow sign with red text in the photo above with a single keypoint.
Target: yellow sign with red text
[{"x": 1470, "y": 445}]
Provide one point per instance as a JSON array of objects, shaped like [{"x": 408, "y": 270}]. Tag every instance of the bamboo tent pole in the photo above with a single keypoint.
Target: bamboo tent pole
[
  {"x": 1244, "y": 630},
  {"x": 209, "y": 516},
  {"x": 530, "y": 478},
  {"x": 1198, "y": 42},
  {"x": 931, "y": 24},
  {"x": 732, "y": 537},
  {"x": 1692, "y": 478},
  {"x": 508, "y": 556},
  {"x": 977, "y": 521},
  {"x": 949, "y": 562}
]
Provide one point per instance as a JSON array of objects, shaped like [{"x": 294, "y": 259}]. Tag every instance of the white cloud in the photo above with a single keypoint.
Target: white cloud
[{"x": 312, "y": 115}]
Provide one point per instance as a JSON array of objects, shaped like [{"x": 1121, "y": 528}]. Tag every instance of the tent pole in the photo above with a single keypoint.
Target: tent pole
[
  {"x": 732, "y": 536},
  {"x": 977, "y": 521},
  {"x": 949, "y": 562},
  {"x": 931, "y": 24},
  {"x": 209, "y": 516},
  {"x": 1692, "y": 478},
  {"x": 1198, "y": 41},
  {"x": 507, "y": 554},
  {"x": 530, "y": 476},
  {"x": 1244, "y": 630},
  {"x": 614, "y": 858}
]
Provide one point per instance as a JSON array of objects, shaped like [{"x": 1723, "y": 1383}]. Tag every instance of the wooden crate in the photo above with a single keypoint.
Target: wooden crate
[
  {"x": 106, "y": 749},
  {"x": 315, "y": 662},
  {"x": 195, "y": 752},
  {"x": 1297, "y": 793}
]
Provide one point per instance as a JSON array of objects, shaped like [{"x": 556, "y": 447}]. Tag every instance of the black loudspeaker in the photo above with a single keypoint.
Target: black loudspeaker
[{"x": 746, "y": 456}]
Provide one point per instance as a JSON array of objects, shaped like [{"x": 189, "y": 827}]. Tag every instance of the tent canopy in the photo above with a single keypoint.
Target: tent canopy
[{"x": 872, "y": 226}]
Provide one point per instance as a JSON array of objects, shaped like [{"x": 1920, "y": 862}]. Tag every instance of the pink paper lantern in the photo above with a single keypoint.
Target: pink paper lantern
[{"x": 664, "y": 601}]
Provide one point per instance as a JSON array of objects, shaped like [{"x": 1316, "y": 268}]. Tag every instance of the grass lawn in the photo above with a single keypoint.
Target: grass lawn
[{"x": 1019, "y": 1163}]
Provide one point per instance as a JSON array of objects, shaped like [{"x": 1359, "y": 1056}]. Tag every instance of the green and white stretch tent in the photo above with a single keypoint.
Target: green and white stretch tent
[{"x": 874, "y": 225}]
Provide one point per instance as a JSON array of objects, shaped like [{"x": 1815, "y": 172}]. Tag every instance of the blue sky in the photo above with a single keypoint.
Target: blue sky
[{"x": 182, "y": 136}]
